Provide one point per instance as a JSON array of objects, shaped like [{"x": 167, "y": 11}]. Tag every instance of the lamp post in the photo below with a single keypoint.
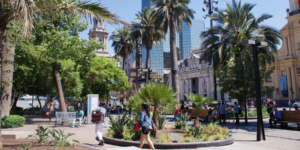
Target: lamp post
[
  {"x": 260, "y": 126},
  {"x": 209, "y": 6}
]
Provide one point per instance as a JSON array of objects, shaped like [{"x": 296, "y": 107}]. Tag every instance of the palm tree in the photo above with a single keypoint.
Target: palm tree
[
  {"x": 236, "y": 24},
  {"x": 122, "y": 43},
  {"x": 156, "y": 94},
  {"x": 149, "y": 32},
  {"x": 170, "y": 13},
  {"x": 24, "y": 13},
  {"x": 199, "y": 101}
]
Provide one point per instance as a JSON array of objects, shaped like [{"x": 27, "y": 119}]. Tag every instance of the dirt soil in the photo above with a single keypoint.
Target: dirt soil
[{"x": 16, "y": 145}]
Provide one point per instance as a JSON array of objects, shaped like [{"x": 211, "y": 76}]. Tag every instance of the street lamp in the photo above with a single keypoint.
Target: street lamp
[
  {"x": 209, "y": 6},
  {"x": 255, "y": 45}
]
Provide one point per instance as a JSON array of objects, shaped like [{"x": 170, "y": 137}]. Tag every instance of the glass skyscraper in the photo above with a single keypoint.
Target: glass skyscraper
[{"x": 186, "y": 40}]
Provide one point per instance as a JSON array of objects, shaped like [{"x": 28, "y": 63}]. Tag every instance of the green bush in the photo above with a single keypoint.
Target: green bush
[
  {"x": 12, "y": 121},
  {"x": 60, "y": 138},
  {"x": 118, "y": 124},
  {"x": 41, "y": 134},
  {"x": 208, "y": 132},
  {"x": 33, "y": 111},
  {"x": 18, "y": 111},
  {"x": 161, "y": 121},
  {"x": 182, "y": 121}
]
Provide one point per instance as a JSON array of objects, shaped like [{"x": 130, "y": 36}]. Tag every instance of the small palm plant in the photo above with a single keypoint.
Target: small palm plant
[
  {"x": 118, "y": 124},
  {"x": 60, "y": 139},
  {"x": 41, "y": 134},
  {"x": 199, "y": 101}
]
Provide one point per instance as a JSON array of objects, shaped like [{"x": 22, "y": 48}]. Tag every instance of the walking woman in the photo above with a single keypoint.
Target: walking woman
[
  {"x": 100, "y": 125},
  {"x": 147, "y": 125}
]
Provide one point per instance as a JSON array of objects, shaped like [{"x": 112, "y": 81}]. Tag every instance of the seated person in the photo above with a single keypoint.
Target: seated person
[
  {"x": 50, "y": 109},
  {"x": 79, "y": 117},
  {"x": 276, "y": 118},
  {"x": 214, "y": 112},
  {"x": 297, "y": 109},
  {"x": 176, "y": 114},
  {"x": 208, "y": 117}
]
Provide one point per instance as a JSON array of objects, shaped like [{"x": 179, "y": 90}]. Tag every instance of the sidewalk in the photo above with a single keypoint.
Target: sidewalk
[{"x": 245, "y": 135}]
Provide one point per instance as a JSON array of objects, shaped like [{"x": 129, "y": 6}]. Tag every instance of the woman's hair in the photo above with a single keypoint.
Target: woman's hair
[
  {"x": 145, "y": 108},
  {"x": 102, "y": 104}
]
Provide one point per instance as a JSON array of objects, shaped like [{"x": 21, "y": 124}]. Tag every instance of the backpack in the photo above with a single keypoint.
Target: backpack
[{"x": 240, "y": 112}]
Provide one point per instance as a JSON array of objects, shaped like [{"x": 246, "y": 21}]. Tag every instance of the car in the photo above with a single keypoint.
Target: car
[
  {"x": 296, "y": 103},
  {"x": 231, "y": 103}
]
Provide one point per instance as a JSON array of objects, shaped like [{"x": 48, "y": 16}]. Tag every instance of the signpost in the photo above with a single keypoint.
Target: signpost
[{"x": 93, "y": 101}]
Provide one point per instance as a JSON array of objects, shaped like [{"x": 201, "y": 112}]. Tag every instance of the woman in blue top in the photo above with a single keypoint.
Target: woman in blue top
[{"x": 146, "y": 122}]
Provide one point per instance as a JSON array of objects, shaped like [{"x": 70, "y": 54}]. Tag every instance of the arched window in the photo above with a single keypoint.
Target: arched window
[{"x": 287, "y": 46}]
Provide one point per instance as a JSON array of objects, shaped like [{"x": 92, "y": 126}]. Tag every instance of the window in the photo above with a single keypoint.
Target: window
[
  {"x": 194, "y": 81},
  {"x": 283, "y": 73},
  {"x": 287, "y": 46},
  {"x": 268, "y": 79},
  {"x": 271, "y": 94}
]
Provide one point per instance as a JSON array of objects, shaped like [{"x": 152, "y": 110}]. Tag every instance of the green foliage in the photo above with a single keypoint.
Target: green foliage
[
  {"x": 135, "y": 104},
  {"x": 208, "y": 132},
  {"x": 33, "y": 111},
  {"x": 60, "y": 139},
  {"x": 165, "y": 138},
  {"x": 182, "y": 121},
  {"x": 41, "y": 134},
  {"x": 161, "y": 121},
  {"x": 12, "y": 121},
  {"x": 26, "y": 146},
  {"x": 118, "y": 125},
  {"x": 250, "y": 113}
]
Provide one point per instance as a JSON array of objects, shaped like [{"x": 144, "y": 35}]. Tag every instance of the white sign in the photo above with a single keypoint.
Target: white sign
[{"x": 93, "y": 101}]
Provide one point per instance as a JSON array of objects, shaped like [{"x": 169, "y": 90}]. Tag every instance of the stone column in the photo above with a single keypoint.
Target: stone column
[
  {"x": 199, "y": 85},
  {"x": 208, "y": 86},
  {"x": 190, "y": 86}
]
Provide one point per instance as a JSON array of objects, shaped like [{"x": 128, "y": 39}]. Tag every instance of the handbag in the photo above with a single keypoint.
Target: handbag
[
  {"x": 146, "y": 129},
  {"x": 97, "y": 117}
]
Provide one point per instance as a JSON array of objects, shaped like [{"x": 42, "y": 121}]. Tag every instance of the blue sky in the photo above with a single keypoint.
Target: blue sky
[{"x": 127, "y": 9}]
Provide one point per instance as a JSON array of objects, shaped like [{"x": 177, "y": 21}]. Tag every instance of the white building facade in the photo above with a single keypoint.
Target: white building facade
[{"x": 197, "y": 76}]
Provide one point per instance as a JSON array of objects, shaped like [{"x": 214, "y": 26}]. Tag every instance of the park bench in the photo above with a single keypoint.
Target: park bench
[
  {"x": 67, "y": 117},
  {"x": 202, "y": 113},
  {"x": 290, "y": 117}
]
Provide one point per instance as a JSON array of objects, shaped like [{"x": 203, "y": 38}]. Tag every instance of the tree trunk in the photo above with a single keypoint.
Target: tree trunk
[
  {"x": 123, "y": 65},
  {"x": 38, "y": 98},
  {"x": 15, "y": 102},
  {"x": 173, "y": 52},
  {"x": 7, "y": 76},
  {"x": 154, "y": 120},
  {"x": 147, "y": 66},
  {"x": 59, "y": 88},
  {"x": 243, "y": 103},
  {"x": 196, "y": 122}
]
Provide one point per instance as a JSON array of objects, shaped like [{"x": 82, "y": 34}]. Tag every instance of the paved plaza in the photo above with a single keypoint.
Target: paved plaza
[{"x": 245, "y": 135}]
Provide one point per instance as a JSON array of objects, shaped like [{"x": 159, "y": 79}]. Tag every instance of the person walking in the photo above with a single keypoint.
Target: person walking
[
  {"x": 271, "y": 111},
  {"x": 147, "y": 125},
  {"x": 100, "y": 125},
  {"x": 222, "y": 112},
  {"x": 236, "y": 113},
  {"x": 290, "y": 104},
  {"x": 176, "y": 114}
]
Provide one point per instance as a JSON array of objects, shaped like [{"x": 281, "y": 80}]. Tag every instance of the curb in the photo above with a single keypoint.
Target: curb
[{"x": 120, "y": 142}]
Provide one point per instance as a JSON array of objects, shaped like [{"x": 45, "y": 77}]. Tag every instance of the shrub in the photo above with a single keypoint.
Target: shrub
[
  {"x": 26, "y": 146},
  {"x": 208, "y": 132},
  {"x": 33, "y": 111},
  {"x": 182, "y": 121},
  {"x": 12, "y": 121},
  {"x": 41, "y": 134},
  {"x": 18, "y": 111},
  {"x": 164, "y": 138},
  {"x": 60, "y": 139},
  {"x": 117, "y": 125},
  {"x": 161, "y": 121}
]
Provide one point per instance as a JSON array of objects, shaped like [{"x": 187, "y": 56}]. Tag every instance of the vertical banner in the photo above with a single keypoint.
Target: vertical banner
[
  {"x": 283, "y": 86},
  {"x": 92, "y": 102}
]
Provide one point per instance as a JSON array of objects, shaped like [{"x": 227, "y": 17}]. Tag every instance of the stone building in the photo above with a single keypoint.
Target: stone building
[
  {"x": 286, "y": 77},
  {"x": 196, "y": 76},
  {"x": 99, "y": 32}
]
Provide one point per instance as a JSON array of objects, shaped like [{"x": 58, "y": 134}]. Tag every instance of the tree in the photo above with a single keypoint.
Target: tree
[
  {"x": 105, "y": 76},
  {"x": 169, "y": 13},
  {"x": 157, "y": 94},
  {"x": 199, "y": 101},
  {"x": 149, "y": 32},
  {"x": 236, "y": 24},
  {"x": 122, "y": 43}
]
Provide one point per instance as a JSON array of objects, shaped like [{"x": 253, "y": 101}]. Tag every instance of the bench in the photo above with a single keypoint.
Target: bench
[
  {"x": 202, "y": 113},
  {"x": 67, "y": 117},
  {"x": 290, "y": 117}
]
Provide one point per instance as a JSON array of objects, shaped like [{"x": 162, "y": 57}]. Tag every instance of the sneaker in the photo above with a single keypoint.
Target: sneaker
[
  {"x": 97, "y": 139},
  {"x": 72, "y": 126}
]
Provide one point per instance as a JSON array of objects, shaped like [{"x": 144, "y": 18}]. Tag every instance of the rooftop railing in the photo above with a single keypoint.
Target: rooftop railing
[{"x": 294, "y": 12}]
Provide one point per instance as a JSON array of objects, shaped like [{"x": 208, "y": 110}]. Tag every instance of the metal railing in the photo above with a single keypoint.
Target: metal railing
[{"x": 294, "y": 12}]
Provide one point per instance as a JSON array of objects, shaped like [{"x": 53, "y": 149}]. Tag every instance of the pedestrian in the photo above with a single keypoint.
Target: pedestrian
[
  {"x": 176, "y": 114},
  {"x": 271, "y": 111},
  {"x": 68, "y": 108},
  {"x": 82, "y": 107},
  {"x": 147, "y": 125},
  {"x": 236, "y": 113},
  {"x": 290, "y": 104},
  {"x": 100, "y": 125},
  {"x": 276, "y": 118},
  {"x": 222, "y": 112}
]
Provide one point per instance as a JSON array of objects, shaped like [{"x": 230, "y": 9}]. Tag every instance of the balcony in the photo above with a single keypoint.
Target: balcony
[{"x": 294, "y": 12}]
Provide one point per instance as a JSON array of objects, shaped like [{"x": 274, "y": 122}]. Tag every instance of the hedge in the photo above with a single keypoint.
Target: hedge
[{"x": 12, "y": 121}]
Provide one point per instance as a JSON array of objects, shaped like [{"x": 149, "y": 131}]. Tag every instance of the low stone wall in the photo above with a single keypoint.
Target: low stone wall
[{"x": 121, "y": 142}]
